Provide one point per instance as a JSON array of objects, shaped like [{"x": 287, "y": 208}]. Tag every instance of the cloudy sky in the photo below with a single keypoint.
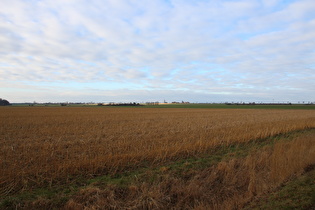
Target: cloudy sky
[{"x": 151, "y": 50}]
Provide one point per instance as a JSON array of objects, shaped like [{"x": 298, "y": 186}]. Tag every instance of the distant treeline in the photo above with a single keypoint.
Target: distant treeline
[
  {"x": 121, "y": 104},
  {"x": 253, "y": 103},
  {"x": 152, "y": 103}
]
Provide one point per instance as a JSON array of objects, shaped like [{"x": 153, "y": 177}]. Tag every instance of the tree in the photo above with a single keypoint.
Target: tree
[{"x": 4, "y": 102}]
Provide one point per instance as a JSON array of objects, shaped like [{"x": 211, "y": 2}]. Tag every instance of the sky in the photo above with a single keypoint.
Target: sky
[{"x": 156, "y": 50}]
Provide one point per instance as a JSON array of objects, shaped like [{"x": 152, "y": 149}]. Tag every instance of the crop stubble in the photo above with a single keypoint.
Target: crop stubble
[{"x": 45, "y": 145}]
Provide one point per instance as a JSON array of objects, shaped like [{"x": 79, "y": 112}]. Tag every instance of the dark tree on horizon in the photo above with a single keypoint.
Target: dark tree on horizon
[{"x": 4, "y": 102}]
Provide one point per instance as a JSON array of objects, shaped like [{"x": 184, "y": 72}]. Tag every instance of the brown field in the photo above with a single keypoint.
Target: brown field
[
  {"x": 44, "y": 146},
  {"x": 231, "y": 184}
]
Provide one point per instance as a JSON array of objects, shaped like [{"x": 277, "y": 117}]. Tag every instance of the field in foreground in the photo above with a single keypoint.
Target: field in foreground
[{"x": 149, "y": 158}]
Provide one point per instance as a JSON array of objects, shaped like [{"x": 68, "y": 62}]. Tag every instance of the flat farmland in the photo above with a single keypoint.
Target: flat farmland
[{"x": 42, "y": 147}]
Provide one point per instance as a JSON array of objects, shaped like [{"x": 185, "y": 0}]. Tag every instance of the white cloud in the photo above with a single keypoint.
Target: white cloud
[{"x": 218, "y": 46}]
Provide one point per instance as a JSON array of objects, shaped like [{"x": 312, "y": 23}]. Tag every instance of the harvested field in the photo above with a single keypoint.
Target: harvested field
[
  {"x": 230, "y": 184},
  {"x": 46, "y": 146}
]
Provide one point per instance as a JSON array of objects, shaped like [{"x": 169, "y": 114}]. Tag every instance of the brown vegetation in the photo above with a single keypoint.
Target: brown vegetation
[
  {"x": 42, "y": 146},
  {"x": 228, "y": 185}
]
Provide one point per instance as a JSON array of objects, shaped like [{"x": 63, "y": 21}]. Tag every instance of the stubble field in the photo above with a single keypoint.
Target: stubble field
[{"x": 43, "y": 147}]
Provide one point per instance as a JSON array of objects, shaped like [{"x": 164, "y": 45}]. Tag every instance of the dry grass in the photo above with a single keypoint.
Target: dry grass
[
  {"x": 46, "y": 145},
  {"x": 228, "y": 185}
]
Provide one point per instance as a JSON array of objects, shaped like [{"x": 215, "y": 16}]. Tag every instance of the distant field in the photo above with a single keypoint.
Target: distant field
[
  {"x": 192, "y": 105},
  {"x": 224, "y": 106},
  {"x": 43, "y": 147}
]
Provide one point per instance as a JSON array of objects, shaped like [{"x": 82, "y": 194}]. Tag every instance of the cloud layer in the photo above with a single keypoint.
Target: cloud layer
[{"x": 204, "y": 50}]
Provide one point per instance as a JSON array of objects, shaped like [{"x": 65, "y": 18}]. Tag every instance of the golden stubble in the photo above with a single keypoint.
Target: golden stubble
[
  {"x": 45, "y": 145},
  {"x": 231, "y": 184}
]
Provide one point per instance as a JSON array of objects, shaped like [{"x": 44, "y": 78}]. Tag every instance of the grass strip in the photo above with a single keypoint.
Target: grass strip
[{"x": 298, "y": 193}]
